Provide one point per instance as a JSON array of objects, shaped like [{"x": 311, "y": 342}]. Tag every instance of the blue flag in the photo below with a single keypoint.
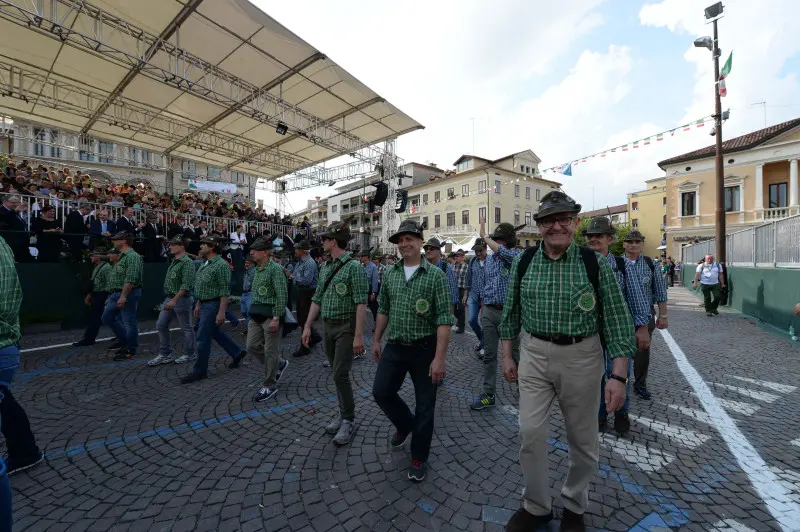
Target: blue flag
[{"x": 566, "y": 169}]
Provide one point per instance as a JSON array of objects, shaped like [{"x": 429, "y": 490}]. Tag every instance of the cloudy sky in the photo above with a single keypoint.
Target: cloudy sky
[{"x": 564, "y": 79}]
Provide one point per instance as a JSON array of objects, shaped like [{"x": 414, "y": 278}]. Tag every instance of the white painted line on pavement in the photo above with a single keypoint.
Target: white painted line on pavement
[
  {"x": 746, "y": 409},
  {"x": 69, "y": 344},
  {"x": 753, "y": 394},
  {"x": 646, "y": 459},
  {"x": 730, "y": 525},
  {"x": 795, "y": 442},
  {"x": 682, "y": 435},
  {"x": 783, "y": 388},
  {"x": 699, "y": 415},
  {"x": 776, "y": 497}
]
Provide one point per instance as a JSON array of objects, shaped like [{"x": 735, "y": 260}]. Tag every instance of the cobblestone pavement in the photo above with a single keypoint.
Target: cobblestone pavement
[{"x": 128, "y": 447}]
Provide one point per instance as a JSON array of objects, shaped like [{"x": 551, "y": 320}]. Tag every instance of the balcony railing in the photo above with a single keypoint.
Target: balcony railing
[{"x": 779, "y": 213}]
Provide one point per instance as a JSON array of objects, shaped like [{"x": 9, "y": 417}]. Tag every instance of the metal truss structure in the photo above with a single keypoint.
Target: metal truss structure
[
  {"x": 389, "y": 218},
  {"x": 157, "y": 58}
]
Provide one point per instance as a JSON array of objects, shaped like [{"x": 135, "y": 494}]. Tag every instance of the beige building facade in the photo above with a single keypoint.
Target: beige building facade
[
  {"x": 647, "y": 210},
  {"x": 761, "y": 184},
  {"x": 500, "y": 190}
]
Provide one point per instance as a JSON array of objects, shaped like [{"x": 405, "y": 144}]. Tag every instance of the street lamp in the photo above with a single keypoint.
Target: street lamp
[{"x": 713, "y": 13}]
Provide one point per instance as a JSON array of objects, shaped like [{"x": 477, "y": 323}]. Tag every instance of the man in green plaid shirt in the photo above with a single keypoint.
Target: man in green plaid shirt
[
  {"x": 178, "y": 286},
  {"x": 415, "y": 313},
  {"x": 341, "y": 297},
  {"x": 212, "y": 288},
  {"x": 269, "y": 296},
  {"x": 96, "y": 295},
  {"x": 122, "y": 306},
  {"x": 560, "y": 316}
]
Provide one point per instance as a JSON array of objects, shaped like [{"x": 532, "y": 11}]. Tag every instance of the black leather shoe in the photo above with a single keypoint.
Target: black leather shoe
[
  {"x": 622, "y": 424},
  {"x": 524, "y": 521},
  {"x": 237, "y": 360},
  {"x": 193, "y": 377},
  {"x": 572, "y": 522},
  {"x": 83, "y": 343}
]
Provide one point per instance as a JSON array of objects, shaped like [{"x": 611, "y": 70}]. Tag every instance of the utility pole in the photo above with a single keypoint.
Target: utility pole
[{"x": 718, "y": 162}]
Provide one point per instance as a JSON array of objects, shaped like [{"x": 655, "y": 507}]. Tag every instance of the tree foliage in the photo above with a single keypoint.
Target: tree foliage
[{"x": 616, "y": 247}]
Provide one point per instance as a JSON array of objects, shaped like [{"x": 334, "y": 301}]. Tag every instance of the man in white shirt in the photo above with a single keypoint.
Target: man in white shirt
[{"x": 712, "y": 282}]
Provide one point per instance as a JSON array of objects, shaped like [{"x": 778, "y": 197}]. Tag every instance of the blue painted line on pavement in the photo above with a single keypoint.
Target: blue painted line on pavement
[
  {"x": 426, "y": 506},
  {"x": 499, "y": 516}
]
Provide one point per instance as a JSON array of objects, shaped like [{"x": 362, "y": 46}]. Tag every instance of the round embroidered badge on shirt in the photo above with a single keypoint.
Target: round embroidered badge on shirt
[
  {"x": 174, "y": 275},
  {"x": 422, "y": 306},
  {"x": 586, "y": 302},
  {"x": 262, "y": 290},
  {"x": 341, "y": 289}
]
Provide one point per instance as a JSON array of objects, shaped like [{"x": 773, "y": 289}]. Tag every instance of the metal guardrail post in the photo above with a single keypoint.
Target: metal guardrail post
[{"x": 774, "y": 244}]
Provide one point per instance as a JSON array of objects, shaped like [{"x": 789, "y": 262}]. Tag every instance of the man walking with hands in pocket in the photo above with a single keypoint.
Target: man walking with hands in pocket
[
  {"x": 561, "y": 298},
  {"x": 415, "y": 313}
]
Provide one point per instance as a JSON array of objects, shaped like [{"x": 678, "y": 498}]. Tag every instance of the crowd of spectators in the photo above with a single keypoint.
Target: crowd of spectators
[{"x": 68, "y": 211}]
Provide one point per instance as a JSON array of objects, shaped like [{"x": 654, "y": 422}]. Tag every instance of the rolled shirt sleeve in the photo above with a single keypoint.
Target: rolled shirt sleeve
[{"x": 442, "y": 302}]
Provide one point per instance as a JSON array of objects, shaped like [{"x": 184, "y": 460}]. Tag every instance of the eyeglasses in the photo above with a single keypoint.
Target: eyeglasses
[{"x": 563, "y": 222}]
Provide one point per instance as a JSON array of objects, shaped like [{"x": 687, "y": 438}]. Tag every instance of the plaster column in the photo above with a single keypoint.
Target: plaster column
[
  {"x": 793, "y": 199},
  {"x": 759, "y": 191}
]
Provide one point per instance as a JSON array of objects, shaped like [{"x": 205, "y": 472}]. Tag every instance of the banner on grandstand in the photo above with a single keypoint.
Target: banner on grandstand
[{"x": 212, "y": 186}]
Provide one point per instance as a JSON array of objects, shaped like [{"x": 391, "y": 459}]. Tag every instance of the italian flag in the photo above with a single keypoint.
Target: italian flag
[{"x": 726, "y": 70}]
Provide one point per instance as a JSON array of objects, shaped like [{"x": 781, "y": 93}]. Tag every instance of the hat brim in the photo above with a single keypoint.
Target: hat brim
[
  {"x": 557, "y": 209},
  {"x": 395, "y": 237},
  {"x": 612, "y": 231}
]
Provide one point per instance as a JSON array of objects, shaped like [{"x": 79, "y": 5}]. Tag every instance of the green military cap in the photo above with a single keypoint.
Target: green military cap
[
  {"x": 507, "y": 233},
  {"x": 634, "y": 235},
  {"x": 407, "y": 227},
  {"x": 261, "y": 245},
  {"x": 302, "y": 245},
  {"x": 556, "y": 202},
  {"x": 432, "y": 243},
  {"x": 600, "y": 225}
]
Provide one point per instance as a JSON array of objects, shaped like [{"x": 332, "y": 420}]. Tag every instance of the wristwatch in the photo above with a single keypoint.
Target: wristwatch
[{"x": 623, "y": 380}]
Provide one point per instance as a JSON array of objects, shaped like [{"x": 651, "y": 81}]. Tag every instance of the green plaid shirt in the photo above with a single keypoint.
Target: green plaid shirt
[
  {"x": 10, "y": 297},
  {"x": 100, "y": 276},
  {"x": 558, "y": 299},
  {"x": 346, "y": 291},
  {"x": 127, "y": 270},
  {"x": 270, "y": 288},
  {"x": 180, "y": 276},
  {"x": 417, "y": 307},
  {"x": 213, "y": 280}
]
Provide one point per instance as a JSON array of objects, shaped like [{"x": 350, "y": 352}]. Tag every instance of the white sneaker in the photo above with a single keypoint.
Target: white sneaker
[
  {"x": 335, "y": 424},
  {"x": 160, "y": 359},
  {"x": 281, "y": 371},
  {"x": 346, "y": 431},
  {"x": 183, "y": 359}
]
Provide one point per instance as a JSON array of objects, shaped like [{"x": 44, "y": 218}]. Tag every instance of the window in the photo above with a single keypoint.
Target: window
[
  {"x": 214, "y": 171},
  {"x": 451, "y": 219},
  {"x": 516, "y": 217},
  {"x": 614, "y": 218},
  {"x": 465, "y": 217},
  {"x": 635, "y": 223},
  {"x": 451, "y": 192},
  {"x": 732, "y": 199},
  {"x": 425, "y": 222},
  {"x": 538, "y": 192},
  {"x": 189, "y": 169},
  {"x": 87, "y": 149},
  {"x": 481, "y": 214},
  {"x": 497, "y": 186},
  {"x": 334, "y": 208},
  {"x": 424, "y": 199},
  {"x": 139, "y": 157},
  {"x": 105, "y": 148},
  {"x": 527, "y": 243},
  {"x": 664, "y": 201},
  {"x": 39, "y": 135},
  {"x": 497, "y": 215},
  {"x": 527, "y": 218},
  {"x": 516, "y": 191},
  {"x": 55, "y": 151},
  {"x": 664, "y": 220},
  {"x": 238, "y": 177},
  {"x": 634, "y": 205},
  {"x": 437, "y": 197},
  {"x": 437, "y": 221},
  {"x": 687, "y": 203},
  {"x": 777, "y": 195},
  {"x": 482, "y": 187},
  {"x": 527, "y": 192},
  {"x": 464, "y": 165},
  {"x": 465, "y": 190}
]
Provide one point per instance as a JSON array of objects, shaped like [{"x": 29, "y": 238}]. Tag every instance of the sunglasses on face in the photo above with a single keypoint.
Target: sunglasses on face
[{"x": 563, "y": 221}]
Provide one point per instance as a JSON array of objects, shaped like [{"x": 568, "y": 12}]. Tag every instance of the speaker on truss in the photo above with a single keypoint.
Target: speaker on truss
[
  {"x": 381, "y": 193},
  {"x": 371, "y": 205},
  {"x": 401, "y": 201},
  {"x": 282, "y": 186}
]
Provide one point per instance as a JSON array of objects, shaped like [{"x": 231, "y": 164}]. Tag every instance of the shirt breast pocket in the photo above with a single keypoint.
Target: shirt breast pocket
[
  {"x": 647, "y": 278},
  {"x": 583, "y": 299}
]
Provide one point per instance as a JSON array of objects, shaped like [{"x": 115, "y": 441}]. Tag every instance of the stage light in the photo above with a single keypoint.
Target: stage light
[
  {"x": 281, "y": 129},
  {"x": 714, "y": 11}
]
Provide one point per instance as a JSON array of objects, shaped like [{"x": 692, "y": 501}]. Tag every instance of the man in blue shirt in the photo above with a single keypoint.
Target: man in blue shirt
[
  {"x": 495, "y": 285},
  {"x": 247, "y": 284},
  {"x": 305, "y": 274},
  {"x": 599, "y": 235},
  {"x": 372, "y": 280},
  {"x": 473, "y": 284},
  {"x": 433, "y": 253}
]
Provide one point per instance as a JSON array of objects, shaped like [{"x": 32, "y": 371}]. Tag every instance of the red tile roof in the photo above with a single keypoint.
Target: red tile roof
[
  {"x": 745, "y": 142},
  {"x": 605, "y": 211}
]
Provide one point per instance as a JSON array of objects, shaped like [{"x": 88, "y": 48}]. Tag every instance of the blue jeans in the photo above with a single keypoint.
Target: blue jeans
[
  {"x": 609, "y": 370},
  {"x": 208, "y": 330},
  {"x": 123, "y": 322},
  {"x": 244, "y": 306},
  {"x": 473, "y": 310},
  {"x": 9, "y": 364}
]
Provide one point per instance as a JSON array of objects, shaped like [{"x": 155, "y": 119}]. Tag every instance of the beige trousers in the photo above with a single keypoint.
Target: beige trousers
[
  {"x": 266, "y": 348},
  {"x": 572, "y": 374}
]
